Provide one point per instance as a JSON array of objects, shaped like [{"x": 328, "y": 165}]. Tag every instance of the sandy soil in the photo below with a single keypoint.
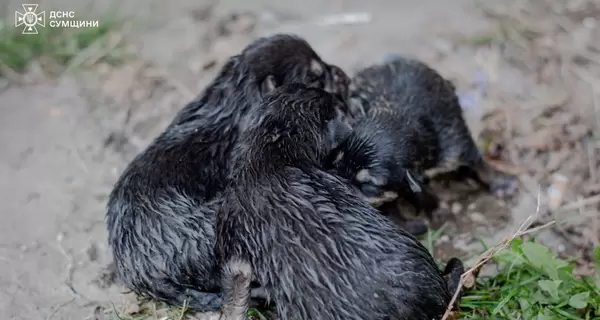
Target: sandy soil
[{"x": 64, "y": 142}]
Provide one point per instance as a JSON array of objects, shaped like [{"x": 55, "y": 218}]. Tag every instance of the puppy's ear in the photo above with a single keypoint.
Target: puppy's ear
[
  {"x": 268, "y": 85},
  {"x": 353, "y": 86},
  {"x": 414, "y": 185},
  {"x": 316, "y": 67}
]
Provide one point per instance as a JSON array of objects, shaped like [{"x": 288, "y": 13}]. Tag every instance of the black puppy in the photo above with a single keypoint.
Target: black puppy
[
  {"x": 318, "y": 250},
  {"x": 161, "y": 211},
  {"x": 414, "y": 124}
]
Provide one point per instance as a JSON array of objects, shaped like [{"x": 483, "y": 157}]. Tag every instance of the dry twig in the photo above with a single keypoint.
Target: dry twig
[
  {"x": 183, "y": 309},
  {"x": 579, "y": 203}
]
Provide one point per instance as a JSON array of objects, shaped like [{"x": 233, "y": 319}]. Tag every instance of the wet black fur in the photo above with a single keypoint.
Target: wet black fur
[
  {"x": 161, "y": 214},
  {"x": 318, "y": 250},
  {"x": 414, "y": 123}
]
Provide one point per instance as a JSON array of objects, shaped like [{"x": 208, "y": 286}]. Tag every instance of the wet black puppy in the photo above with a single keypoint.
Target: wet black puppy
[
  {"x": 318, "y": 250},
  {"x": 161, "y": 211},
  {"x": 385, "y": 156},
  {"x": 414, "y": 124}
]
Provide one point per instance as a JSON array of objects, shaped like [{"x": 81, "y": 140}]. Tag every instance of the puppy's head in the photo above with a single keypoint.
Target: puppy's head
[
  {"x": 302, "y": 119},
  {"x": 375, "y": 176},
  {"x": 358, "y": 161},
  {"x": 285, "y": 59},
  {"x": 337, "y": 82}
]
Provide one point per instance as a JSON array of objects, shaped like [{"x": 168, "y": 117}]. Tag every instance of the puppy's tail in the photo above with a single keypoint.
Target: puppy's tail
[
  {"x": 453, "y": 272},
  {"x": 236, "y": 279}
]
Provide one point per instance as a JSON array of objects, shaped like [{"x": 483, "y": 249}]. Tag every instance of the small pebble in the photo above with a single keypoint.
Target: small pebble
[
  {"x": 557, "y": 190},
  {"x": 477, "y": 217},
  {"x": 443, "y": 239},
  {"x": 456, "y": 208},
  {"x": 472, "y": 206}
]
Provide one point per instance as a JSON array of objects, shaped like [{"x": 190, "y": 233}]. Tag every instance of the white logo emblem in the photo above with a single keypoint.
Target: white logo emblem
[{"x": 30, "y": 20}]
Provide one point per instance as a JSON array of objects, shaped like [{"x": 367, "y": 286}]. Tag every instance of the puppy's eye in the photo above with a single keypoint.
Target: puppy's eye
[{"x": 369, "y": 190}]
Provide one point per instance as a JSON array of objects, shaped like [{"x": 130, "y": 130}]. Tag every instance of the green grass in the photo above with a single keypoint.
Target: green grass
[
  {"x": 431, "y": 237},
  {"x": 254, "y": 314},
  {"x": 532, "y": 283},
  {"x": 58, "y": 46}
]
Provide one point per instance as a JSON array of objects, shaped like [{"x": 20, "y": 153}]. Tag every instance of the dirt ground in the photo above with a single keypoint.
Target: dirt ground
[{"x": 64, "y": 142}]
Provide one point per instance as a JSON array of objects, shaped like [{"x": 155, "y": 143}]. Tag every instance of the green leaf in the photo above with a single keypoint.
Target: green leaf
[
  {"x": 515, "y": 244},
  {"x": 543, "y": 315},
  {"x": 541, "y": 257},
  {"x": 550, "y": 286},
  {"x": 537, "y": 254},
  {"x": 525, "y": 305},
  {"x": 540, "y": 298},
  {"x": 579, "y": 301}
]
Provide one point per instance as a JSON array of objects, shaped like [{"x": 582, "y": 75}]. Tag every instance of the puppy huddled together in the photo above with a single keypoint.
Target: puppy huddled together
[{"x": 273, "y": 186}]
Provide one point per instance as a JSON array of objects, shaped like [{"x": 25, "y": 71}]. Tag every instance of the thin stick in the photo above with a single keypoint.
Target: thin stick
[
  {"x": 575, "y": 205},
  {"x": 154, "y": 314},
  {"x": 183, "y": 309}
]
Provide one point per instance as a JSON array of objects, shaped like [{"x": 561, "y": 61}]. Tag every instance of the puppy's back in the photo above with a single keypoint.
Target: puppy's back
[{"x": 318, "y": 250}]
